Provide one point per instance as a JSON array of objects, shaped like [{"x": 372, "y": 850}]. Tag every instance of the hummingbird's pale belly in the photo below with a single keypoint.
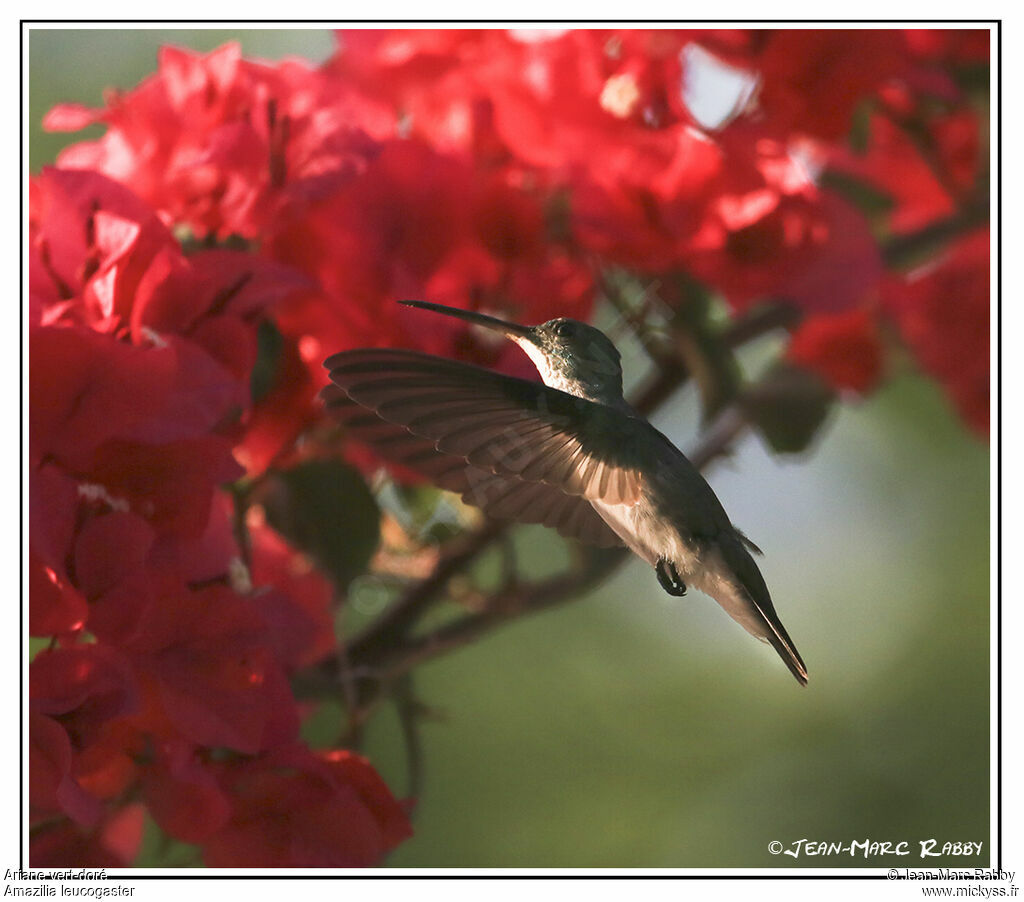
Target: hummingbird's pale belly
[
  {"x": 647, "y": 535},
  {"x": 652, "y": 537}
]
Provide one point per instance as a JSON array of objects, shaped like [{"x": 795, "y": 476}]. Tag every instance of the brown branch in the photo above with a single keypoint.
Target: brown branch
[
  {"x": 762, "y": 319},
  {"x": 503, "y": 606},
  {"x": 673, "y": 373},
  {"x": 610, "y": 283},
  {"x": 410, "y": 712},
  {"x": 404, "y": 613},
  {"x": 902, "y": 250}
]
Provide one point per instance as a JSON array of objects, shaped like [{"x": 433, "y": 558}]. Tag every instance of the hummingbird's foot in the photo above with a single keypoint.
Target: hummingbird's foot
[{"x": 668, "y": 576}]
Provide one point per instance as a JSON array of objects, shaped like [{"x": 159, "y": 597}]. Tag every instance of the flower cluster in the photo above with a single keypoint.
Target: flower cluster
[
  {"x": 166, "y": 682},
  {"x": 238, "y": 221}
]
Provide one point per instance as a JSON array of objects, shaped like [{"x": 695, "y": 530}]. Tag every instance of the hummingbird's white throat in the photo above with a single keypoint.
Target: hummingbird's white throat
[
  {"x": 555, "y": 374},
  {"x": 550, "y": 375}
]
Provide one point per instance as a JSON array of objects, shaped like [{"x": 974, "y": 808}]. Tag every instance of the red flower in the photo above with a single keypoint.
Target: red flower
[
  {"x": 958, "y": 138},
  {"x": 605, "y": 104},
  {"x": 52, "y": 788},
  {"x": 220, "y": 143},
  {"x": 209, "y": 663},
  {"x": 942, "y": 311},
  {"x": 90, "y": 693},
  {"x": 92, "y": 240},
  {"x": 111, "y": 569},
  {"x": 204, "y": 559},
  {"x": 813, "y": 79},
  {"x": 55, "y": 606},
  {"x": 113, "y": 844},
  {"x": 818, "y": 254},
  {"x": 378, "y": 238},
  {"x": 893, "y": 163},
  {"x": 79, "y": 397},
  {"x": 84, "y": 686},
  {"x": 392, "y": 234},
  {"x": 295, "y": 809},
  {"x": 949, "y": 45},
  {"x": 625, "y": 226},
  {"x": 485, "y": 169},
  {"x": 294, "y": 601},
  {"x": 420, "y": 80},
  {"x": 171, "y": 484},
  {"x": 843, "y": 348},
  {"x": 182, "y": 794},
  {"x": 288, "y": 406}
]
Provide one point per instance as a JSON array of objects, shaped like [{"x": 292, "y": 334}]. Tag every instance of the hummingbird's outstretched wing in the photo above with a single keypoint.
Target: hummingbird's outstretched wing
[
  {"x": 509, "y": 427},
  {"x": 499, "y": 497}
]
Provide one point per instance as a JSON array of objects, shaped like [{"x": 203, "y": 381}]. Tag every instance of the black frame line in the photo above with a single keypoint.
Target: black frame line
[{"x": 995, "y": 191}]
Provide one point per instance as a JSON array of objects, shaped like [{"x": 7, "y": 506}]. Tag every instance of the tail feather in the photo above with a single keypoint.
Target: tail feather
[
  {"x": 761, "y": 621},
  {"x": 737, "y": 585},
  {"x": 779, "y": 639}
]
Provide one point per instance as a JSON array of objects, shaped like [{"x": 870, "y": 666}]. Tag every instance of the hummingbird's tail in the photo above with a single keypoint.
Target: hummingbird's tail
[
  {"x": 776, "y": 636},
  {"x": 740, "y": 589}
]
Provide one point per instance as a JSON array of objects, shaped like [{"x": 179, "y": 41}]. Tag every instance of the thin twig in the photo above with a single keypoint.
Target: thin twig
[
  {"x": 764, "y": 318},
  {"x": 352, "y": 738},
  {"x": 719, "y": 437},
  {"x": 635, "y": 317},
  {"x": 902, "y": 250},
  {"x": 503, "y": 607},
  {"x": 409, "y": 711},
  {"x": 404, "y": 613}
]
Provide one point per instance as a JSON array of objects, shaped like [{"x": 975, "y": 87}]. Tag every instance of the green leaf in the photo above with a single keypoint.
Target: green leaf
[
  {"x": 190, "y": 244},
  {"x": 974, "y": 78},
  {"x": 558, "y": 217},
  {"x": 324, "y": 508},
  {"x": 269, "y": 344},
  {"x": 788, "y": 407},
  {"x": 870, "y": 200},
  {"x": 860, "y": 127},
  {"x": 698, "y": 341},
  {"x": 427, "y": 512},
  {"x": 160, "y": 850}
]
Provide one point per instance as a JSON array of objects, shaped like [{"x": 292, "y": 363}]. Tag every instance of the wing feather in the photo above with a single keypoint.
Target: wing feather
[
  {"x": 507, "y": 426},
  {"x": 501, "y": 497}
]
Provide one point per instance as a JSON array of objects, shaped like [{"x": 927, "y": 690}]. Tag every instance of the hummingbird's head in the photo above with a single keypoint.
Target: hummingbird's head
[
  {"x": 576, "y": 358},
  {"x": 571, "y": 356}
]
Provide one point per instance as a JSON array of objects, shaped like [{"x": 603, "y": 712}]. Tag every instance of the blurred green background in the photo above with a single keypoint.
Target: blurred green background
[{"x": 632, "y": 729}]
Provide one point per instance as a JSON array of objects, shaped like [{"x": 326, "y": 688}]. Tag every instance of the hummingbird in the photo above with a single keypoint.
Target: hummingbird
[{"x": 568, "y": 452}]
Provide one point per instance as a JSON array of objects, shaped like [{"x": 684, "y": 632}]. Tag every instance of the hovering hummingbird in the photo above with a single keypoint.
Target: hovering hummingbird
[{"x": 569, "y": 453}]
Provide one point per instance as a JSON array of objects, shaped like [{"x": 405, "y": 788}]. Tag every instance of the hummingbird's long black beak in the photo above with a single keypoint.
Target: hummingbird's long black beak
[{"x": 509, "y": 330}]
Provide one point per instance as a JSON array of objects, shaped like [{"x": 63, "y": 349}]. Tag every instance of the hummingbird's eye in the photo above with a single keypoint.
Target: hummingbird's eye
[{"x": 565, "y": 329}]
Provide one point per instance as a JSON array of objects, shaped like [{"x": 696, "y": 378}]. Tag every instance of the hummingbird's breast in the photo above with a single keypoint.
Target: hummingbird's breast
[
  {"x": 649, "y": 533},
  {"x": 657, "y": 525}
]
